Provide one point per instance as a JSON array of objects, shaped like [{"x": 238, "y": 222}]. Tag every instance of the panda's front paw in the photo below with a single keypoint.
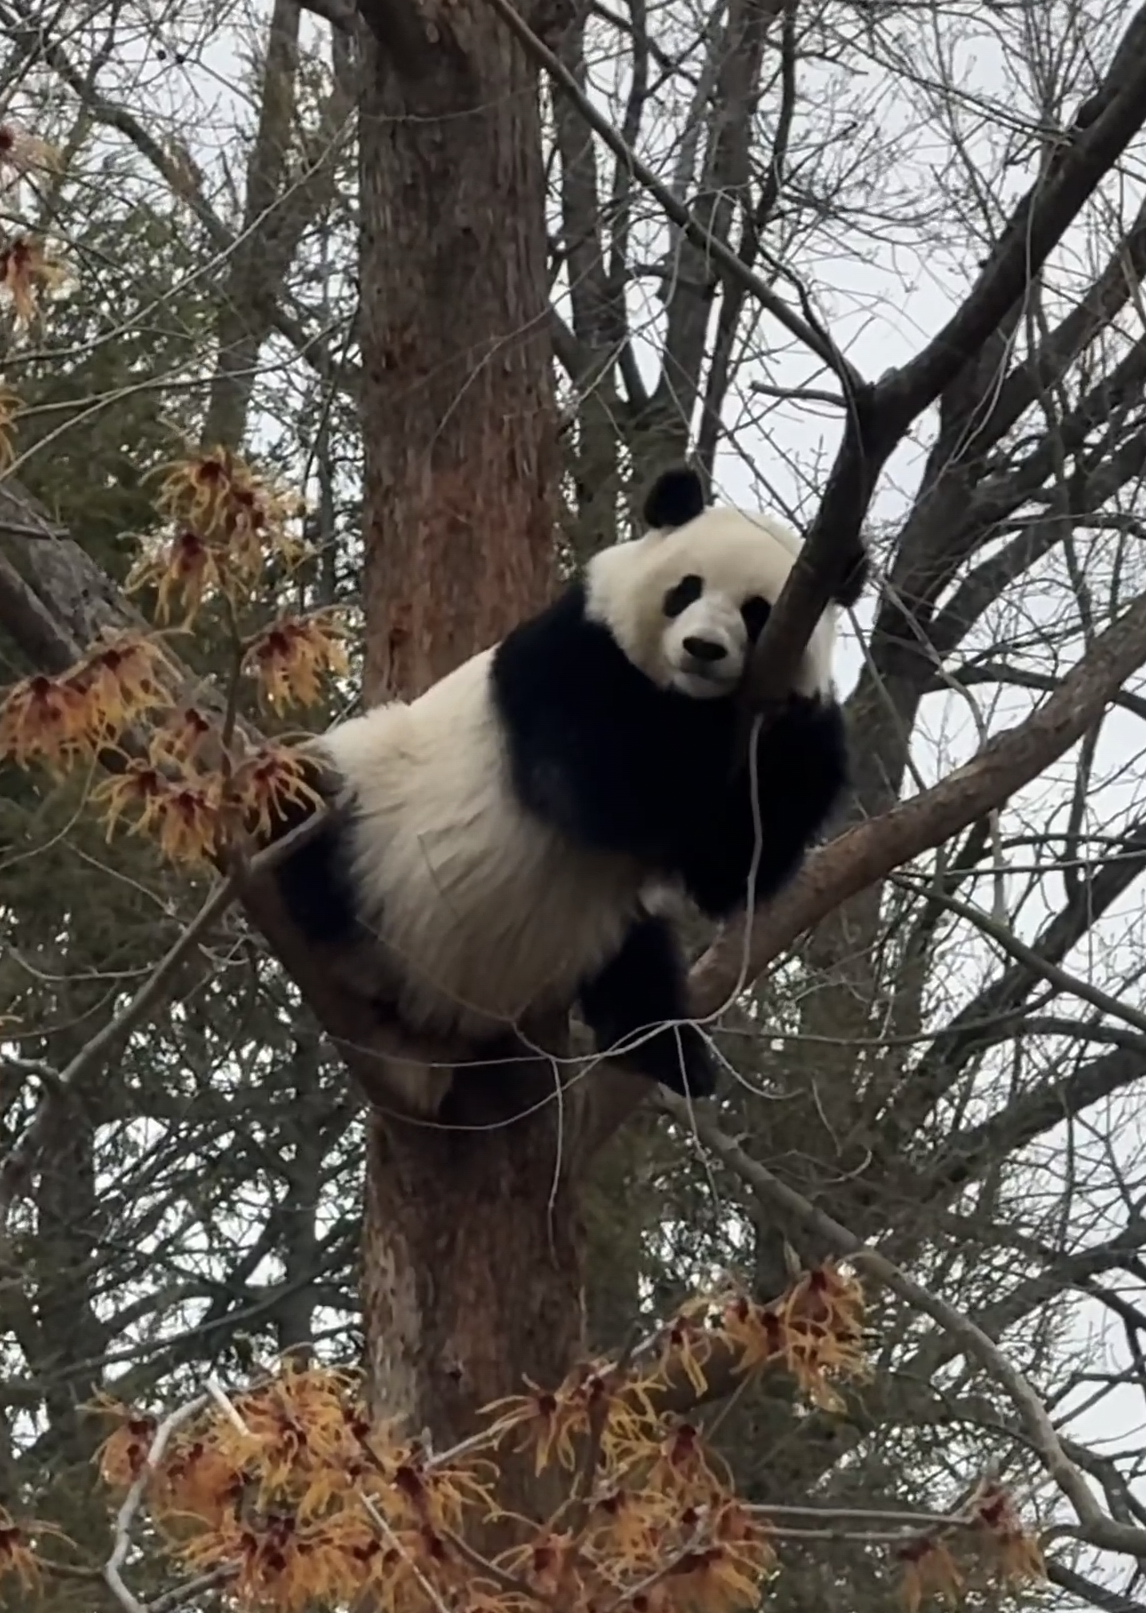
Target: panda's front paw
[{"x": 678, "y": 1058}]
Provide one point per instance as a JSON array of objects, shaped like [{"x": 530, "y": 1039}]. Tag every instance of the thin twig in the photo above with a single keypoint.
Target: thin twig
[
  {"x": 179, "y": 1595},
  {"x": 733, "y": 266},
  {"x": 643, "y": 1586},
  {"x": 20, "y": 1161},
  {"x": 1028, "y": 957},
  {"x": 1097, "y": 1526},
  {"x": 508, "y": 1582},
  {"x": 125, "y": 1517},
  {"x": 917, "y": 1521},
  {"x": 378, "y": 1519}
]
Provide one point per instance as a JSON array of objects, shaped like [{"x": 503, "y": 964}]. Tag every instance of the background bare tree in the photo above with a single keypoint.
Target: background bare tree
[{"x": 471, "y": 275}]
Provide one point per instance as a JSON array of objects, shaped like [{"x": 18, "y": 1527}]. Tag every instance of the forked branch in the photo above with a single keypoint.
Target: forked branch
[
  {"x": 880, "y": 415},
  {"x": 872, "y": 849},
  {"x": 1095, "y": 1525}
]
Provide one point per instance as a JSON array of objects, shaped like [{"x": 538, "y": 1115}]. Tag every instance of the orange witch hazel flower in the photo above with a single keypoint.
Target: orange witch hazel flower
[
  {"x": 61, "y": 719},
  {"x": 26, "y": 271},
  {"x": 295, "y": 1423},
  {"x": 122, "y": 679},
  {"x": 813, "y": 1331},
  {"x": 183, "y": 736},
  {"x": 197, "y": 1481},
  {"x": 16, "y": 1554},
  {"x": 928, "y": 1570},
  {"x": 688, "y": 1343},
  {"x": 685, "y": 1467},
  {"x": 123, "y": 1454},
  {"x": 184, "y": 815},
  {"x": 199, "y": 488},
  {"x": 21, "y": 151},
  {"x": 48, "y": 719},
  {"x": 727, "y": 1572},
  {"x": 593, "y": 1396},
  {"x": 186, "y": 567},
  {"x": 291, "y": 655},
  {"x": 267, "y": 781},
  {"x": 290, "y": 1565},
  {"x": 234, "y": 510},
  {"x": 1017, "y": 1552}
]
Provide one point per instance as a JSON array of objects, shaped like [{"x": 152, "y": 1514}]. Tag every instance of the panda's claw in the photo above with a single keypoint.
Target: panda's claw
[{"x": 676, "y": 1058}]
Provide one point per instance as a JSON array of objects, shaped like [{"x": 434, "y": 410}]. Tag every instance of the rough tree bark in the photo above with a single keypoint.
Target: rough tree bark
[{"x": 471, "y": 1270}]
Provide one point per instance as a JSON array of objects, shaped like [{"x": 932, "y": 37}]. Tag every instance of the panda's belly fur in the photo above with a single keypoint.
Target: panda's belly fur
[{"x": 480, "y": 911}]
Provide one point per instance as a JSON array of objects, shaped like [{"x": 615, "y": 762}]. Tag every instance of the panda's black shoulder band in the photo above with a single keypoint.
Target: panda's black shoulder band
[{"x": 676, "y": 497}]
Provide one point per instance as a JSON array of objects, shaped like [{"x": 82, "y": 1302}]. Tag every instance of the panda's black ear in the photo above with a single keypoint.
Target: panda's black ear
[
  {"x": 855, "y": 582},
  {"x": 676, "y": 497}
]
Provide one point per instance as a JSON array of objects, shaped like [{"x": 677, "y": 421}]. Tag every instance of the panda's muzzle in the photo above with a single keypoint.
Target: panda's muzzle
[{"x": 705, "y": 650}]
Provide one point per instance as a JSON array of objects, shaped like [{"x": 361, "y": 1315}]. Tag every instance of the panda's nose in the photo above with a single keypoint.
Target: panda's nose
[{"x": 703, "y": 649}]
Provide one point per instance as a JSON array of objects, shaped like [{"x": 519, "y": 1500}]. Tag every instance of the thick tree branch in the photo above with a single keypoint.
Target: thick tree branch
[
  {"x": 1109, "y": 292},
  {"x": 881, "y": 415},
  {"x": 722, "y": 191},
  {"x": 970, "y": 1339},
  {"x": 871, "y": 850},
  {"x": 340, "y": 14},
  {"x": 878, "y": 418},
  {"x": 969, "y": 1153},
  {"x": 1103, "y": 1597},
  {"x": 991, "y": 672},
  {"x": 1088, "y": 150},
  {"x": 728, "y": 261}
]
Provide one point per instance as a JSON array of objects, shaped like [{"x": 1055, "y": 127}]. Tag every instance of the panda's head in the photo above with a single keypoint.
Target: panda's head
[{"x": 687, "y": 601}]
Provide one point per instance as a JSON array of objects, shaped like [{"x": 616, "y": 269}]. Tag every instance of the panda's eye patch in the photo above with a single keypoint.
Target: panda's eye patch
[
  {"x": 755, "y": 612},
  {"x": 683, "y": 594}
]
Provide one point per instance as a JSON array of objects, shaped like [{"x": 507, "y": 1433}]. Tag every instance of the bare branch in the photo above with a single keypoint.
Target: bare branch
[
  {"x": 871, "y": 850},
  {"x": 974, "y": 1343},
  {"x": 20, "y": 1160},
  {"x": 125, "y": 1517},
  {"x": 1101, "y": 132},
  {"x": 733, "y": 267},
  {"x": 341, "y": 14},
  {"x": 881, "y": 415},
  {"x": 966, "y": 1154},
  {"x": 980, "y": 672},
  {"x": 1103, "y": 1597}
]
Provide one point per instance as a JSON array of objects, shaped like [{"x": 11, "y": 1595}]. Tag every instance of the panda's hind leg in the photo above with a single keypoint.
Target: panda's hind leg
[{"x": 640, "y": 999}]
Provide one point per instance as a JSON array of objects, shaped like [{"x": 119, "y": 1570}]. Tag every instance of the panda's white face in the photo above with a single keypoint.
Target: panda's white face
[
  {"x": 687, "y": 605},
  {"x": 706, "y": 636}
]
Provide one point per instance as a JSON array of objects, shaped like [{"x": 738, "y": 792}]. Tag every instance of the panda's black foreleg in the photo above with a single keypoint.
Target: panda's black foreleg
[
  {"x": 771, "y": 813},
  {"x": 640, "y": 1000}
]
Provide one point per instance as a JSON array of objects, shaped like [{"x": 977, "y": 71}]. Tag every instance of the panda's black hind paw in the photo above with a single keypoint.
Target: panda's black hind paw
[{"x": 678, "y": 1058}]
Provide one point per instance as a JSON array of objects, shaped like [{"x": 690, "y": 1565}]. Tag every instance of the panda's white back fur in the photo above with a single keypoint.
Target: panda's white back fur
[{"x": 486, "y": 911}]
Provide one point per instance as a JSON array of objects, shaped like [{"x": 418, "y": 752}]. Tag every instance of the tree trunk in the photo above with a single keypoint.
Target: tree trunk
[
  {"x": 471, "y": 1255},
  {"x": 461, "y": 462}
]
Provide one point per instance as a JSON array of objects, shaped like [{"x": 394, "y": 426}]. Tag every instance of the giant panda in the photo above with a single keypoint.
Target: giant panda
[{"x": 492, "y": 845}]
